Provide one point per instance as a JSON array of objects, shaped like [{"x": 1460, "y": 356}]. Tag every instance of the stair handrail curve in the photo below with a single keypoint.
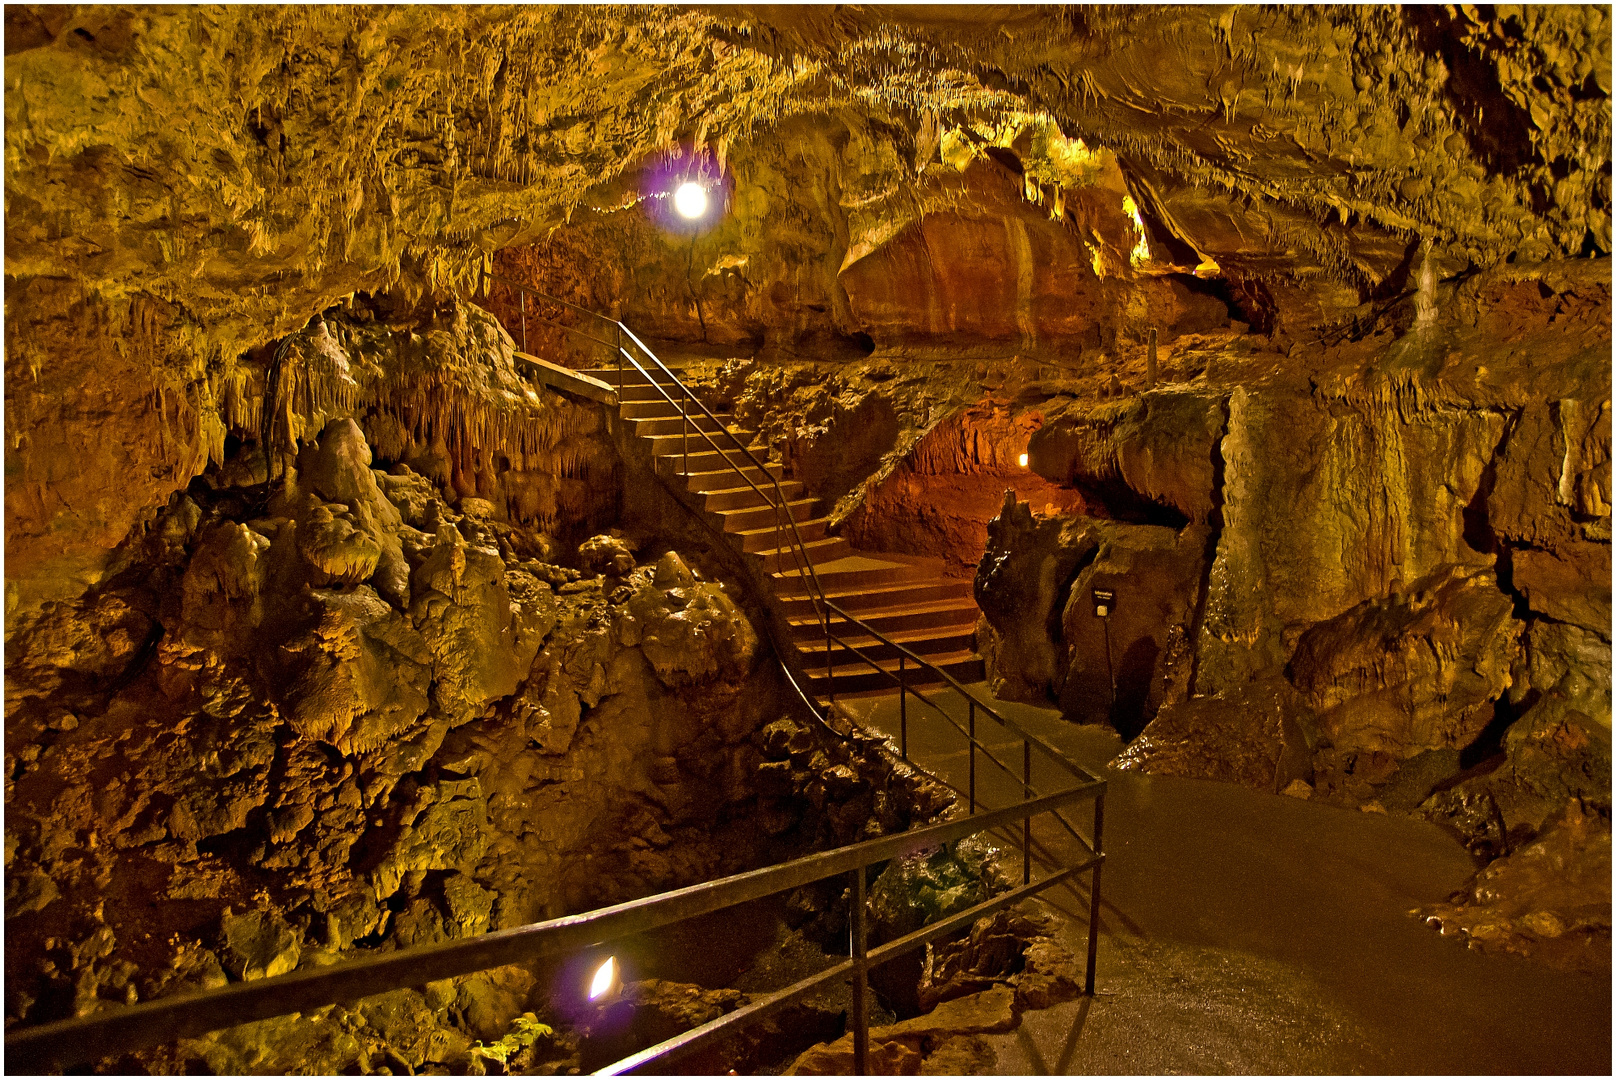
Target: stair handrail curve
[
  {"x": 799, "y": 553},
  {"x": 816, "y": 594}
]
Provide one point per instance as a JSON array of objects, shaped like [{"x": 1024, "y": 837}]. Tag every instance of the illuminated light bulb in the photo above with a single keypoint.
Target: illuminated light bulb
[
  {"x": 690, "y": 200},
  {"x": 605, "y": 975},
  {"x": 1023, "y": 461}
]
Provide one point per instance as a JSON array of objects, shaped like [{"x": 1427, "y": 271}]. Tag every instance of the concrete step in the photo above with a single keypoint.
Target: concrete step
[
  {"x": 857, "y": 677},
  {"x": 630, "y": 376},
  {"x": 867, "y": 594},
  {"x": 743, "y": 496},
  {"x": 649, "y": 410},
  {"x": 955, "y": 612},
  {"x": 702, "y": 481},
  {"x": 769, "y": 538},
  {"x": 711, "y": 461},
  {"x": 922, "y": 642},
  {"x": 672, "y": 425},
  {"x": 823, "y": 549},
  {"x": 849, "y": 570},
  {"x": 672, "y": 446},
  {"x": 763, "y": 515},
  {"x": 645, "y": 392}
]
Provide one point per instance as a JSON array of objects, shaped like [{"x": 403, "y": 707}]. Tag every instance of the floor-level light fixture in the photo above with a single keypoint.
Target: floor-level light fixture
[{"x": 605, "y": 980}]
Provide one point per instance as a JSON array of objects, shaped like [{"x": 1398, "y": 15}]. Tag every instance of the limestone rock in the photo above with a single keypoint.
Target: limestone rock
[
  {"x": 1157, "y": 449},
  {"x": 1550, "y": 900},
  {"x": 690, "y": 633},
  {"x": 462, "y": 609},
  {"x": 836, "y": 1059},
  {"x": 1122, "y": 669},
  {"x": 222, "y": 585},
  {"x": 490, "y": 1000},
  {"x": 899, "y": 1049},
  {"x": 1255, "y": 736},
  {"x": 470, "y": 905},
  {"x": 257, "y": 945},
  {"x": 1326, "y": 504},
  {"x": 1553, "y": 473},
  {"x": 280, "y": 1044},
  {"x": 1415, "y": 671},
  {"x": 336, "y": 548},
  {"x": 451, "y": 832},
  {"x": 358, "y": 675}
]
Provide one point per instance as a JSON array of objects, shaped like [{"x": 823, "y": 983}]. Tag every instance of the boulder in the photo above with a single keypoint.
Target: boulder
[
  {"x": 1021, "y": 585},
  {"x": 1120, "y": 669},
  {"x": 1568, "y": 660},
  {"x": 1416, "y": 670},
  {"x": 1549, "y": 900},
  {"x": 606, "y": 555},
  {"x": 357, "y": 675},
  {"x": 1552, "y": 754},
  {"x": 900, "y": 1049},
  {"x": 1154, "y": 451},
  {"x": 1256, "y": 735},
  {"x": 257, "y": 945},
  {"x": 1570, "y": 584},
  {"x": 918, "y": 889}
]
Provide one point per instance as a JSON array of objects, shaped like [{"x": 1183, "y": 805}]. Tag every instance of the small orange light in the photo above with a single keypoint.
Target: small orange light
[{"x": 1023, "y": 461}]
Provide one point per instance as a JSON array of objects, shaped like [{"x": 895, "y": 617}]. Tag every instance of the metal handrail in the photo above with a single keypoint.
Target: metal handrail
[
  {"x": 824, "y": 607},
  {"x": 799, "y": 552},
  {"x": 1028, "y": 741},
  {"x": 123, "y": 1029},
  {"x": 816, "y": 593}
]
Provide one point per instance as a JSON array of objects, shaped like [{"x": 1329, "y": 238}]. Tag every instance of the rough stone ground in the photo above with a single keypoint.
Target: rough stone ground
[{"x": 1252, "y": 933}]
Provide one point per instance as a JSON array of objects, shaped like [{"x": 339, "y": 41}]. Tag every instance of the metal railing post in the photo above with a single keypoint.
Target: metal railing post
[
  {"x": 903, "y": 711},
  {"x": 830, "y": 676},
  {"x": 972, "y": 738},
  {"x": 619, "y": 358},
  {"x": 861, "y": 980},
  {"x": 1094, "y": 894},
  {"x": 521, "y": 300},
  {"x": 1026, "y": 822}
]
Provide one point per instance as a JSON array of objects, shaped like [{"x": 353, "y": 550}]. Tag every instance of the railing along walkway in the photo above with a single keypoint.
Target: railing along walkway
[{"x": 124, "y": 1029}]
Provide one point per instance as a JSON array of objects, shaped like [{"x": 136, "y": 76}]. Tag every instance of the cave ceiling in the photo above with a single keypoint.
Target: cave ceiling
[{"x": 248, "y": 166}]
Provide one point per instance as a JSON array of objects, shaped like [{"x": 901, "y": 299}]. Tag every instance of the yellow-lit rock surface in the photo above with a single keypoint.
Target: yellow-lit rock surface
[{"x": 328, "y": 629}]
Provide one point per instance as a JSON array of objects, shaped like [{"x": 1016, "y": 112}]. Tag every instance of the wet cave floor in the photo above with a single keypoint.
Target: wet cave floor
[{"x": 1252, "y": 933}]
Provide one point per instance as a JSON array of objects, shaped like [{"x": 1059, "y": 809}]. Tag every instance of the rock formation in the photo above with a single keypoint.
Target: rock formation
[
  {"x": 329, "y": 627},
  {"x": 339, "y": 711}
]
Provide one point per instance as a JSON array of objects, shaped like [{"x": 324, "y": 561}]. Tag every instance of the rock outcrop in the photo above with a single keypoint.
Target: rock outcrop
[{"x": 1381, "y": 587}]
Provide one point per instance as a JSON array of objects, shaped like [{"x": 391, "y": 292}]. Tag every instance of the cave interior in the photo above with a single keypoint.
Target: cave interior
[{"x": 473, "y": 466}]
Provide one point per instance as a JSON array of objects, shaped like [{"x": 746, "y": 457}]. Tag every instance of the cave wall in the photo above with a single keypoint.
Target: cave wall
[
  {"x": 1385, "y": 579},
  {"x": 1357, "y": 508},
  {"x": 250, "y": 168}
]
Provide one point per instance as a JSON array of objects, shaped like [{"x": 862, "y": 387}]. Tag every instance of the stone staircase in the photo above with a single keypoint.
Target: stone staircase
[{"x": 907, "y": 599}]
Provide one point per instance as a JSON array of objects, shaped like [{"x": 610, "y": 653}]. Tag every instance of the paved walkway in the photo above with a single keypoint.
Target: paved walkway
[{"x": 1253, "y": 933}]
